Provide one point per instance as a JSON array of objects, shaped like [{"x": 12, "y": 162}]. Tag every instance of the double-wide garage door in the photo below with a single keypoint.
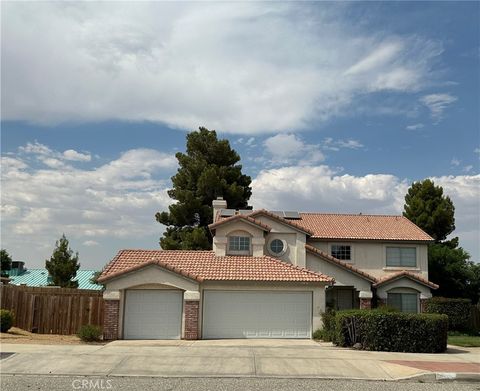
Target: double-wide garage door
[
  {"x": 153, "y": 314},
  {"x": 257, "y": 314}
]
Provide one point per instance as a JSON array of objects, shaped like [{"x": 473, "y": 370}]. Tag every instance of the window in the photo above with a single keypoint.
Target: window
[
  {"x": 277, "y": 247},
  {"x": 239, "y": 243},
  {"x": 341, "y": 251},
  {"x": 402, "y": 256},
  {"x": 405, "y": 302}
]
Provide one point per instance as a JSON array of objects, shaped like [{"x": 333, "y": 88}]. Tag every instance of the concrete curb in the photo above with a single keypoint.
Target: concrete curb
[{"x": 429, "y": 377}]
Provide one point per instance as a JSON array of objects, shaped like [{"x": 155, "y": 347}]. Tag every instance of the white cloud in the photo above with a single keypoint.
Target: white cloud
[
  {"x": 199, "y": 63},
  {"x": 415, "y": 126},
  {"x": 287, "y": 148},
  {"x": 468, "y": 168},
  {"x": 319, "y": 188},
  {"x": 71, "y": 154},
  {"x": 437, "y": 103},
  {"x": 335, "y": 145},
  {"x": 115, "y": 201},
  {"x": 455, "y": 162},
  {"x": 477, "y": 151}
]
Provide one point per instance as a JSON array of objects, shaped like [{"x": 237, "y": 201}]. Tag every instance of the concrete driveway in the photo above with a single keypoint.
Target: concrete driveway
[{"x": 227, "y": 358}]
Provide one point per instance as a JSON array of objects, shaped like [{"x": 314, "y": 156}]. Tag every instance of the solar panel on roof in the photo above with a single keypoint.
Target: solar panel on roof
[
  {"x": 227, "y": 212},
  {"x": 279, "y": 213},
  {"x": 244, "y": 211},
  {"x": 291, "y": 215}
]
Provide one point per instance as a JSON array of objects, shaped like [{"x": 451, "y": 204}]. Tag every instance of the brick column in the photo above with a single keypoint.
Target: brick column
[
  {"x": 365, "y": 299},
  {"x": 191, "y": 319},
  {"x": 365, "y": 304},
  {"x": 423, "y": 302},
  {"x": 111, "y": 311}
]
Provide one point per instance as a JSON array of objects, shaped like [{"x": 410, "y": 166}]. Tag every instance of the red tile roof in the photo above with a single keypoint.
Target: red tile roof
[
  {"x": 338, "y": 262},
  {"x": 246, "y": 218},
  {"x": 206, "y": 266},
  {"x": 293, "y": 223},
  {"x": 361, "y": 227},
  {"x": 407, "y": 274}
]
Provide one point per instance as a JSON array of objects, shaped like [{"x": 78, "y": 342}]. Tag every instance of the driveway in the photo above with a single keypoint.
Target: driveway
[{"x": 229, "y": 358}]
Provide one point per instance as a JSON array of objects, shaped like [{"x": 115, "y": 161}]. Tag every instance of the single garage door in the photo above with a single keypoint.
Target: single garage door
[
  {"x": 153, "y": 314},
  {"x": 257, "y": 314}
]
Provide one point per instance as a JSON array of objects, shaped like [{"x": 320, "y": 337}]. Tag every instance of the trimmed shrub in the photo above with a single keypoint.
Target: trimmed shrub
[
  {"x": 328, "y": 320},
  {"x": 90, "y": 333},
  {"x": 458, "y": 311},
  {"x": 318, "y": 334},
  {"x": 391, "y": 331},
  {"x": 6, "y": 320}
]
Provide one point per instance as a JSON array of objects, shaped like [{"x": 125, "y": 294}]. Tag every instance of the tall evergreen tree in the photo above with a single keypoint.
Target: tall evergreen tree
[
  {"x": 427, "y": 207},
  {"x": 448, "y": 264},
  {"x": 63, "y": 265},
  {"x": 209, "y": 169},
  {"x": 6, "y": 262}
]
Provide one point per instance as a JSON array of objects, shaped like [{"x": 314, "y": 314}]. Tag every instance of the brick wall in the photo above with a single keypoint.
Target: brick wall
[
  {"x": 111, "y": 319},
  {"x": 365, "y": 304},
  {"x": 191, "y": 319}
]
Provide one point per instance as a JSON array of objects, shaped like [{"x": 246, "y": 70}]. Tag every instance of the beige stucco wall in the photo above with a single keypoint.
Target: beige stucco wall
[
  {"x": 370, "y": 256},
  {"x": 235, "y": 228},
  {"x": 318, "y": 295},
  {"x": 342, "y": 276},
  {"x": 403, "y": 285}
]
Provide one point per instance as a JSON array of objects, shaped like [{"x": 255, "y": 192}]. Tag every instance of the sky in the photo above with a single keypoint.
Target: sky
[{"x": 333, "y": 107}]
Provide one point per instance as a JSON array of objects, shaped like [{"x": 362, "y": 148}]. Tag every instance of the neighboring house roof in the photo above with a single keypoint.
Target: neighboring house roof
[
  {"x": 39, "y": 277},
  {"x": 404, "y": 273},
  {"x": 247, "y": 219},
  {"x": 362, "y": 227},
  {"x": 338, "y": 262},
  {"x": 206, "y": 266}
]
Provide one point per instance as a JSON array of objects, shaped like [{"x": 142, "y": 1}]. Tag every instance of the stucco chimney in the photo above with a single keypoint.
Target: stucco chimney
[{"x": 218, "y": 204}]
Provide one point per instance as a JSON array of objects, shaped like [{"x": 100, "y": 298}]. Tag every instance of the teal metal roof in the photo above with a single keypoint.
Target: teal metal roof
[{"x": 40, "y": 277}]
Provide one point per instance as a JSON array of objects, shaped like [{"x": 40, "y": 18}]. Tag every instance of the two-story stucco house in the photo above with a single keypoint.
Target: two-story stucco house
[{"x": 271, "y": 274}]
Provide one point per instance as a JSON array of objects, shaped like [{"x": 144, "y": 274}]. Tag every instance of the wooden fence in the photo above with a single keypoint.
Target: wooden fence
[
  {"x": 50, "y": 310},
  {"x": 475, "y": 317}
]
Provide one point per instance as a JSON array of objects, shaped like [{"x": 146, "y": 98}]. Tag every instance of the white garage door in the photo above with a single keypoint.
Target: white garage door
[
  {"x": 257, "y": 314},
  {"x": 153, "y": 314}
]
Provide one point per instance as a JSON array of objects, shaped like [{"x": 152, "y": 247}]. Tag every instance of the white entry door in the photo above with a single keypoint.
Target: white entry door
[
  {"x": 257, "y": 314},
  {"x": 152, "y": 314}
]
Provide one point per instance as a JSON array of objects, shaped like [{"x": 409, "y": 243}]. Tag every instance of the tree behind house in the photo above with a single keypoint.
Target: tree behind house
[
  {"x": 63, "y": 265},
  {"x": 6, "y": 262},
  {"x": 209, "y": 169}
]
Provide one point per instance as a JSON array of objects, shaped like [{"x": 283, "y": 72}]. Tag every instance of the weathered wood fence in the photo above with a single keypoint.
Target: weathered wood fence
[
  {"x": 475, "y": 317},
  {"x": 52, "y": 310}
]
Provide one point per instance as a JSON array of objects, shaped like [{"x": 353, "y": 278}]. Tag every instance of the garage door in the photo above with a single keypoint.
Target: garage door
[
  {"x": 153, "y": 314},
  {"x": 257, "y": 314}
]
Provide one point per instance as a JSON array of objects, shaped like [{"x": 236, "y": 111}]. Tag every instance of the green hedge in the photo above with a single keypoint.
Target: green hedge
[
  {"x": 458, "y": 311},
  {"x": 391, "y": 331}
]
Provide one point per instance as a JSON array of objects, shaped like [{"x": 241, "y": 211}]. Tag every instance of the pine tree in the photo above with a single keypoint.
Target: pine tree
[
  {"x": 63, "y": 265},
  {"x": 427, "y": 207},
  {"x": 209, "y": 169}
]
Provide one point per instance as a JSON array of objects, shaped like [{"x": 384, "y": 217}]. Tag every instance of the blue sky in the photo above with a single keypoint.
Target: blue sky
[{"x": 332, "y": 106}]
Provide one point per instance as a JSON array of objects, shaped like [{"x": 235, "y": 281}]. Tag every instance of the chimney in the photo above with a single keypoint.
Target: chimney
[{"x": 218, "y": 204}]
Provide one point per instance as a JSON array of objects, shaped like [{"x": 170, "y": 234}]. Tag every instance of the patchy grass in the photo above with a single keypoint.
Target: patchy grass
[
  {"x": 16, "y": 335},
  {"x": 464, "y": 340}
]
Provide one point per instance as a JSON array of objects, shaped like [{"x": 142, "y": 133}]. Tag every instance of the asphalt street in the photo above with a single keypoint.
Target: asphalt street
[{"x": 71, "y": 383}]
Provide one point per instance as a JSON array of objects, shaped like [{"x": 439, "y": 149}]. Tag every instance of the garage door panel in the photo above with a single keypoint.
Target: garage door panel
[
  {"x": 257, "y": 314},
  {"x": 153, "y": 314}
]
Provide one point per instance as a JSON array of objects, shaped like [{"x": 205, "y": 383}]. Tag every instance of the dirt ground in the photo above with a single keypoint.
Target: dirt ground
[{"x": 16, "y": 335}]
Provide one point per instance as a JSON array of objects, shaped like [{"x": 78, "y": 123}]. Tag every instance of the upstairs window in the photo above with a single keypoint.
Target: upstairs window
[
  {"x": 239, "y": 243},
  {"x": 402, "y": 256},
  {"x": 341, "y": 251}
]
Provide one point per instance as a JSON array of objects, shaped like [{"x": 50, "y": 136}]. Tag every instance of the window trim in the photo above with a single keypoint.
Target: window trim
[
  {"x": 351, "y": 260},
  {"x": 239, "y": 252},
  {"x": 400, "y": 267},
  {"x": 281, "y": 252}
]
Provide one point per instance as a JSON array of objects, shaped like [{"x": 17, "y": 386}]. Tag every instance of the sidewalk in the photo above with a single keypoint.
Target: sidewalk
[{"x": 235, "y": 358}]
